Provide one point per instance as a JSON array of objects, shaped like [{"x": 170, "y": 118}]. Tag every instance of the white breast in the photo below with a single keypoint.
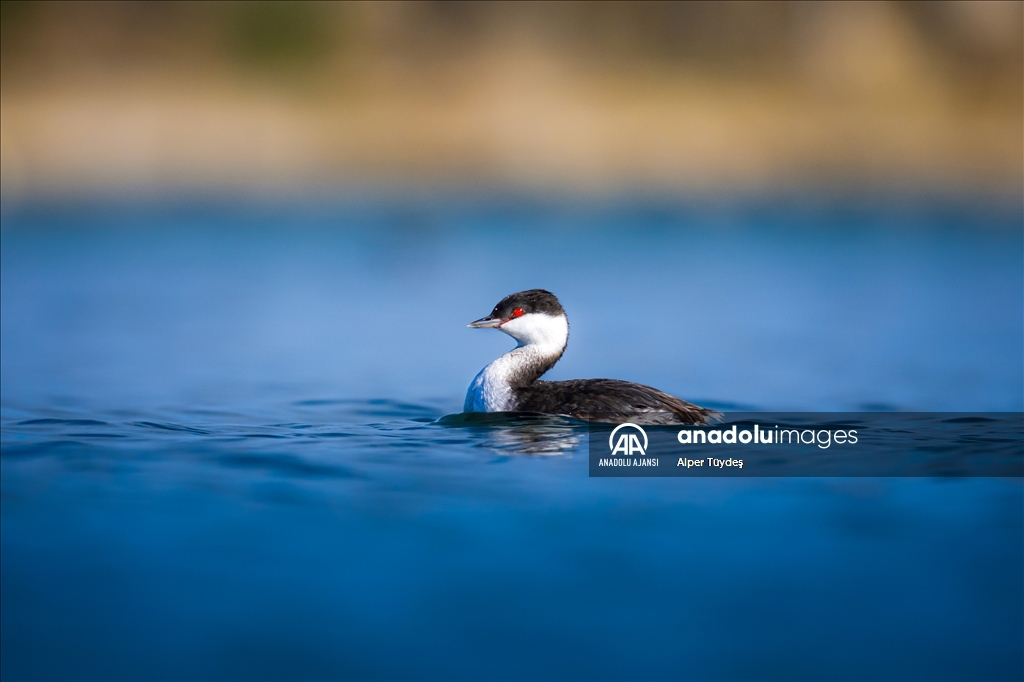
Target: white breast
[{"x": 490, "y": 390}]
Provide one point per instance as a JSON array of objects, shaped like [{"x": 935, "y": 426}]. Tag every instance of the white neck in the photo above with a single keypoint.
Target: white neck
[{"x": 541, "y": 341}]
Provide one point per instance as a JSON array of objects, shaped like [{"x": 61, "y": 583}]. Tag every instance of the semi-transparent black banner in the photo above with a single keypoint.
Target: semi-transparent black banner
[{"x": 816, "y": 444}]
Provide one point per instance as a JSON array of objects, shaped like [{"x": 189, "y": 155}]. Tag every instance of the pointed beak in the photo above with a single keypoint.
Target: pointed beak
[{"x": 485, "y": 323}]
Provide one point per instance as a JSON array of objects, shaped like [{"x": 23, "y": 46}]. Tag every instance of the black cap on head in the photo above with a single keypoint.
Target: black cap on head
[{"x": 530, "y": 301}]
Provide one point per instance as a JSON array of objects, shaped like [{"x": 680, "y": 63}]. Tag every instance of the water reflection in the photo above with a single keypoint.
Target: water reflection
[{"x": 510, "y": 433}]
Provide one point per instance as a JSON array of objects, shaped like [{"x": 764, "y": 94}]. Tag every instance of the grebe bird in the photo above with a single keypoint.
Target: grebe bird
[{"x": 536, "y": 320}]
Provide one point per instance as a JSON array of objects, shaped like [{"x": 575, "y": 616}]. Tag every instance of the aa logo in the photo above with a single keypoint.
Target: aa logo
[{"x": 627, "y": 444}]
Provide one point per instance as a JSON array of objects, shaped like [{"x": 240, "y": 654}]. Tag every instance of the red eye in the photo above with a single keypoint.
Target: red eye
[{"x": 518, "y": 312}]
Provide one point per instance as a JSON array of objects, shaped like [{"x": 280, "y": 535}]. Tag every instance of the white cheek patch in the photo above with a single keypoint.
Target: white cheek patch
[{"x": 538, "y": 329}]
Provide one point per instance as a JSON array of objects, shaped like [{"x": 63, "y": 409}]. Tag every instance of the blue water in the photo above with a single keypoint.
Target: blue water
[{"x": 221, "y": 456}]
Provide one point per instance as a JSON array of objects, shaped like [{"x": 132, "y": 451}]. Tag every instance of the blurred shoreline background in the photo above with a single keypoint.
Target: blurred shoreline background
[{"x": 165, "y": 98}]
